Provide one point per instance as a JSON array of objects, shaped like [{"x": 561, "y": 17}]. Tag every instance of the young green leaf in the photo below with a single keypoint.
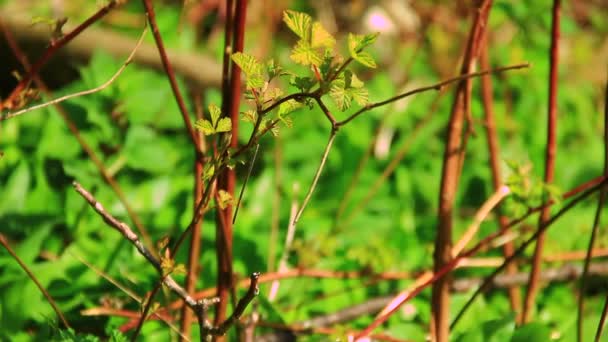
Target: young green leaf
[
  {"x": 205, "y": 126},
  {"x": 304, "y": 53},
  {"x": 249, "y": 115},
  {"x": 339, "y": 95},
  {"x": 215, "y": 112},
  {"x": 224, "y": 125},
  {"x": 320, "y": 36},
  {"x": 251, "y": 67},
  {"x": 208, "y": 171},
  {"x": 356, "y": 44},
  {"x": 225, "y": 199},
  {"x": 288, "y": 107},
  {"x": 302, "y": 83},
  {"x": 216, "y": 125},
  {"x": 299, "y": 23}
]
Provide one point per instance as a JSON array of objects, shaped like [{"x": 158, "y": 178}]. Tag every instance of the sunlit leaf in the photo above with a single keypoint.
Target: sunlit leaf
[
  {"x": 250, "y": 115},
  {"x": 356, "y": 44},
  {"x": 204, "y": 126},
  {"x": 300, "y": 23},
  {"x": 215, "y": 113},
  {"x": 288, "y": 107},
  {"x": 303, "y": 53},
  {"x": 251, "y": 67},
  {"x": 225, "y": 199},
  {"x": 320, "y": 37},
  {"x": 224, "y": 125}
]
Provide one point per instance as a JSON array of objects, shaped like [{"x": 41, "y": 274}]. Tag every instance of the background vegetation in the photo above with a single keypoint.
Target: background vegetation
[{"x": 369, "y": 230}]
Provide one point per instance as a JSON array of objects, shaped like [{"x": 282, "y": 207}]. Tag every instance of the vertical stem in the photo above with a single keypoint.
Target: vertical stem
[
  {"x": 195, "y": 239},
  {"x": 494, "y": 151},
  {"x": 231, "y": 92},
  {"x": 549, "y": 159},
  {"x": 224, "y": 276},
  {"x": 452, "y": 161}
]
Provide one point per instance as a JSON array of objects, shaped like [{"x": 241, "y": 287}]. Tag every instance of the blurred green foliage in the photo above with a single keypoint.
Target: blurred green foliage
[{"x": 135, "y": 127}]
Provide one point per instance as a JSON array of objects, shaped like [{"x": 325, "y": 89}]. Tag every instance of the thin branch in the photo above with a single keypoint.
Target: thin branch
[
  {"x": 438, "y": 86},
  {"x": 549, "y": 159},
  {"x": 472, "y": 251},
  {"x": 249, "y": 170},
  {"x": 291, "y": 232},
  {"x": 596, "y": 224},
  {"x": 130, "y": 235},
  {"x": 199, "y": 68},
  {"x": 197, "y": 306},
  {"x": 313, "y": 185},
  {"x": 494, "y": 160},
  {"x": 602, "y": 323},
  {"x": 58, "y": 100},
  {"x": 54, "y": 46},
  {"x": 390, "y": 168},
  {"x": 522, "y": 248},
  {"x": 30, "y": 274},
  {"x": 169, "y": 71},
  {"x": 194, "y": 251},
  {"x": 481, "y": 214}
]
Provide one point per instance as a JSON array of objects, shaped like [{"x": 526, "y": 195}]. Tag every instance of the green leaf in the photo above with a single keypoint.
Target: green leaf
[
  {"x": 273, "y": 70},
  {"x": 216, "y": 125},
  {"x": 250, "y": 115},
  {"x": 224, "y": 125},
  {"x": 208, "y": 171},
  {"x": 360, "y": 95},
  {"x": 303, "y": 83},
  {"x": 300, "y": 23},
  {"x": 215, "y": 114},
  {"x": 251, "y": 67},
  {"x": 225, "y": 199},
  {"x": 205, "y": 126},
  {"x": 356, "y": 44},
  {"x": 320, "y": 37},
  {"x": 304, "y": 53},
  {"x": 288, "y": 107},
  {"x": 339, "y": 95}
]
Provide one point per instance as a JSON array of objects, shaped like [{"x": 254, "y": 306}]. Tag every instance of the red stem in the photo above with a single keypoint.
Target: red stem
[
  {"x": 494, "y": 151},
  {"x": 452, "y": 162},
  {"x": 549, "y": 160},
  {"x": 169, "y": 71}
]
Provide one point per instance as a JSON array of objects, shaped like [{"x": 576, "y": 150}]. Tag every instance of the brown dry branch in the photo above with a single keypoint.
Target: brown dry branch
[
  {"x": 198, "y": 306},
  {"x": 481, "y": 214},
  {"x": 9, "y": 115},
  {"x": 549, "y": 159},
  {"x": 54, "y": 46},
  {"x": 586, "y": 193},
  {"x": 587, "y": 189},
  {"x": 200, "y": 69}
]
